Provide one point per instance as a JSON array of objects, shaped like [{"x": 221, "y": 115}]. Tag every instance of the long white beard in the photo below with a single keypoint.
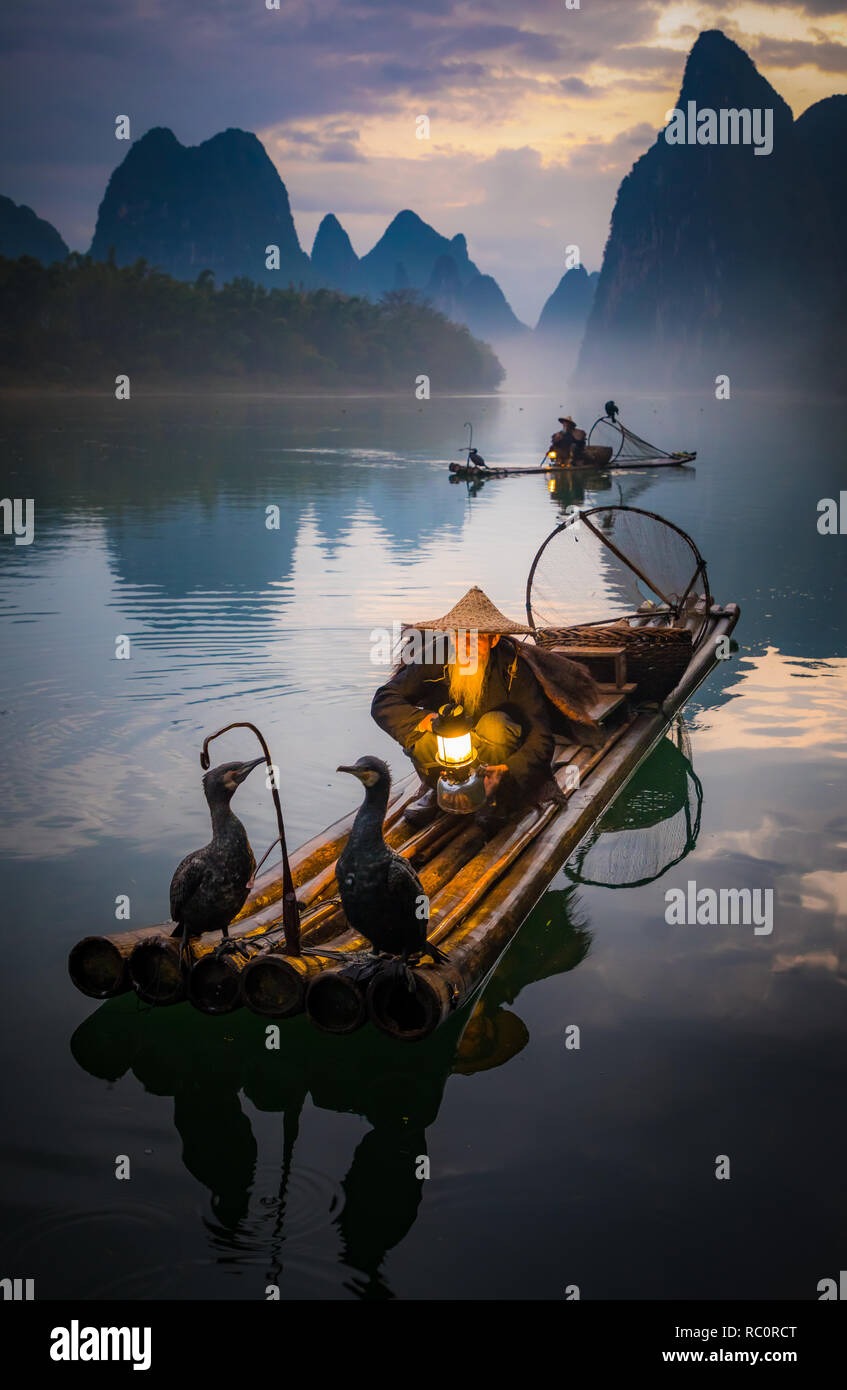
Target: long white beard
[{"x": 467, "y": 689}]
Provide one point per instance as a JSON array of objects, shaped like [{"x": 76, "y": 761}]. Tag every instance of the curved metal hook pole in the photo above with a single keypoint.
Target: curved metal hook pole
[{"x": 290, "y": 910}]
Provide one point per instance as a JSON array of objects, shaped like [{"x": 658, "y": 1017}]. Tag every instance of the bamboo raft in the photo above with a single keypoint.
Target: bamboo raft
[
  {"x": 595, "y": 458},
  {"x": 480, "y": 890}
]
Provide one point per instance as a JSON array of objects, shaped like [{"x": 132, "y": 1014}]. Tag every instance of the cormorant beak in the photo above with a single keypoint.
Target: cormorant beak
[
  {"x": 245, "y": 769},
  {"x": 355, "y": 771}
]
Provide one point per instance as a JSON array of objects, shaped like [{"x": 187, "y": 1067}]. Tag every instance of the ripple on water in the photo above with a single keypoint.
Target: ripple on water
[
  {"x": 311, "y": 1202},
  {"x": 132, "y": 1249},
  {"x": 91, "y": 1248}
]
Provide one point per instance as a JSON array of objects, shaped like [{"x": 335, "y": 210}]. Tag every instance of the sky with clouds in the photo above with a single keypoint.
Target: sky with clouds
[{"x": 537, "y": 111}]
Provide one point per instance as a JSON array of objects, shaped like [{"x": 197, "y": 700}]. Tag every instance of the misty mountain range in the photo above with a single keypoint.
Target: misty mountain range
[
  {"x": 217, "y": 206},
  {"x": 722, "y": 262},
  {"x": 717, "y": 261},
  {"x": 24, "y": 234}
]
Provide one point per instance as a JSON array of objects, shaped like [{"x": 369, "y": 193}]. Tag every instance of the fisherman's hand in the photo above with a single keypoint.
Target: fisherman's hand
[
  {"x": 425, "y": 724},
  {"x": 492, "y": 776}
]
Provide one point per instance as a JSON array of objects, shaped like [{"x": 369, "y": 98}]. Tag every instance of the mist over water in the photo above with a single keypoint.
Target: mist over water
[{"x": 550, "y": 1166}]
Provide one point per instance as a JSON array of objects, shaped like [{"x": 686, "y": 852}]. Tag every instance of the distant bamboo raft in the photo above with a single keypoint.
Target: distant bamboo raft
[{"x": 479, "y": 891}]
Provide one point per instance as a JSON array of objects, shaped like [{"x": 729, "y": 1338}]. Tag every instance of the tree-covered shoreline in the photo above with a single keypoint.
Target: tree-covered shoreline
[{"x": 81, "y": 322}]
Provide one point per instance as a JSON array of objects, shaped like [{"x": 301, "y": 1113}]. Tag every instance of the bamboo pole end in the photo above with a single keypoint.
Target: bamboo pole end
[
  {"x": 214, "y": 986},
  {"x": 406, "y": 1013},
  {"x": 97, "y": 968},
  {"x": 335, "y": 1004},
  {"x": 274, "y": 986},
  {"x": 156, "y": 972}
]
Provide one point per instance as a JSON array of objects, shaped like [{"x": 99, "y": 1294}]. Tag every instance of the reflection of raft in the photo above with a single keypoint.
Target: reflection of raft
[
  {"x": 651, "y": 826},
  {"x": 480, "y": 891}
]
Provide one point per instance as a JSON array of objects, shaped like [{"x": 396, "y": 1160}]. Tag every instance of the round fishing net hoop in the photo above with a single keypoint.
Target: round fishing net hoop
[
  {"x": 614, "y": 564},
  {"x": 626, "y": 445}
]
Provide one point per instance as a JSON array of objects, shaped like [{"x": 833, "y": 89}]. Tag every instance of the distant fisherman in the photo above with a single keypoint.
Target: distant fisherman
[{"x": 568, "y": 443}]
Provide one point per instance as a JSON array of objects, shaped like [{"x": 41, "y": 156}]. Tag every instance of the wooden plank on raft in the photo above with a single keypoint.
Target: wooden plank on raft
[{"x": 609, "y": 701}]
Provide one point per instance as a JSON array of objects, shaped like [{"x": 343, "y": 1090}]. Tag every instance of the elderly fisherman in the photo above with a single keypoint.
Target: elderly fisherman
[
  {"x": 515, "y": 693},
  {"x": 569, "y": 442}
]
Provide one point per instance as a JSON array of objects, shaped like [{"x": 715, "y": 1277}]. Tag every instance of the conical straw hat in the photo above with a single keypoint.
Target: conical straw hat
[{"x": 473, "y": 613}]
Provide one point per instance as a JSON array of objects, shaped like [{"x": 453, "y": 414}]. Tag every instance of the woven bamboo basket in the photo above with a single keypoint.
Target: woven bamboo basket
[{"x": 656, "y": 657}]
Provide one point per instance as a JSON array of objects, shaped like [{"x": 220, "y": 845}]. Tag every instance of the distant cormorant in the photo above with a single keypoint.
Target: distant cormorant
[
  {"x": 382, "y": 896},
  {"x": 211, "y": 885}
]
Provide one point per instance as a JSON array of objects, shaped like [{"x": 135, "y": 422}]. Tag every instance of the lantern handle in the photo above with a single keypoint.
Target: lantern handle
[{"x": 290, "y": 910}]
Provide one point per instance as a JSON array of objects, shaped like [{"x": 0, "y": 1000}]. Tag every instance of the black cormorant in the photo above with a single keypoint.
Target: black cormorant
[
  {"x": 382, "y": 896},
  {"x": 211, "y": 885}
]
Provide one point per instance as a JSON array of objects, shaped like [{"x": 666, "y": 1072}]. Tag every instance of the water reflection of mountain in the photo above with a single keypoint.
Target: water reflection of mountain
[
  {"x": 182, "y": 491},
  {"x": 260, "y": 1207},
  {"x": 202, "y": 466},
  {"x": 227, "y": 546}
]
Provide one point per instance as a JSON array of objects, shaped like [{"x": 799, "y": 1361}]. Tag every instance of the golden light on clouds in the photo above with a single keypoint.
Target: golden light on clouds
[
  {"x": 754, "y": 21},
  {"x": 799, "y": 85},
  {"x": 785, "y": 703},
  {"x": 526, "y": 152},
  {"x": 519, "y": 105},
  {"x": 824, "y": 889}
]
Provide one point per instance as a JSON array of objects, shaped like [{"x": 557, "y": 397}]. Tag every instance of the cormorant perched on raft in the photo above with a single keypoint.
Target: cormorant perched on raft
[
  {"x": 380, "y": 892},
  {"x": 210, "y": 886}
]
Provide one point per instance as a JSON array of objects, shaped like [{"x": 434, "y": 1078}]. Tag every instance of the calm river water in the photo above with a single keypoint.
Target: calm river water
[{"x": 550, "y": 1166}]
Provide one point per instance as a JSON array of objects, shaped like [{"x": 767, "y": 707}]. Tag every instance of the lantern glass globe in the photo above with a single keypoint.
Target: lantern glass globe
[{"x": 455, "y": 751}]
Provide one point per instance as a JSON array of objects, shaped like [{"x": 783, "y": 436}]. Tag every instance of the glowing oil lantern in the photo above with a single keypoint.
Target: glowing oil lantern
[
  {"x": 461, "y": 788},
  {"x": 453, "y": 737}
]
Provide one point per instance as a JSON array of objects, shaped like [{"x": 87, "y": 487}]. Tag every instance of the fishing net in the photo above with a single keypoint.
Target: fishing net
[
  {"x": 650, "y": 827},
  {"x": 614, "y": 563},
  {"x": 626, "y": 446}
]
